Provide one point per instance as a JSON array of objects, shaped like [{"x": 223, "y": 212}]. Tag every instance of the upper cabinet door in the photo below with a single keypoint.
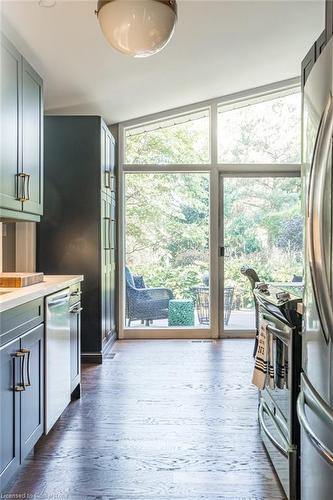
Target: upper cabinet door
[
  {"x": 107, "y": 160},
  {"x": 104, "y": 175},
  {"x": 32, "y": 145},
  {"x": 112, "y": 164},
  {"x": 10, "y": 106}
]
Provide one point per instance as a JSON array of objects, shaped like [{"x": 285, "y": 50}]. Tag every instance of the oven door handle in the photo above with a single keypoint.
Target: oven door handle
[
  {"x": 283, "y": 336},
  {"x": 310, "y": 396},
  {"x": 285, "y": 449}
]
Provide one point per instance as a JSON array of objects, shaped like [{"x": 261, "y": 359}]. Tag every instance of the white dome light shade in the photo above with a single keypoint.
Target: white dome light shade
[{"x": 137, "y": 27}]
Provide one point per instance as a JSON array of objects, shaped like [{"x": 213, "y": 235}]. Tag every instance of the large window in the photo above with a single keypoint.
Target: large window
[
  {"x": 223, "y": 173},
  {"x": 180, "y": 139},
  {"x": 264, "y": 132}
]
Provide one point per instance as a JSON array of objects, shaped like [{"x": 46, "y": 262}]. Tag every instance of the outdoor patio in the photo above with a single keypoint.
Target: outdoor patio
[{"x": 239, "y": 320}]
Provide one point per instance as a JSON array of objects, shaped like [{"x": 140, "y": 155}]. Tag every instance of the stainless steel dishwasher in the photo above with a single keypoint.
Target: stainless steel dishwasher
[{"x": 57, "y": 356}]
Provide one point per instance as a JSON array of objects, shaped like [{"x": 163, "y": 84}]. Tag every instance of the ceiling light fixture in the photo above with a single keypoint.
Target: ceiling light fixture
[
  {"x": 47, "y": 3},
  {"x": 137, "y": 27}
]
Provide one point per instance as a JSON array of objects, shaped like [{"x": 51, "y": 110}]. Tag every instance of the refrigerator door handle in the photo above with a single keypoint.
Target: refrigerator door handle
[
  {"x": 315, "y": 224},
  {"x": 310, "y": 396}
]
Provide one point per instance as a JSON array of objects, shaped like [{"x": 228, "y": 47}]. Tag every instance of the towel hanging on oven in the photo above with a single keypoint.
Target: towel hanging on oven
[
  {"x": 263, "y": 373},
  {"x": 281, "y": 364}
]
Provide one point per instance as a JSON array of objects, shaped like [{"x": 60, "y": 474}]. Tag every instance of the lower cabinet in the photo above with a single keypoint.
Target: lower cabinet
[
  {"x": 10, "y": 414},
  {"x": 32, "y": 398},
  {"x": 22, "y": 399}
]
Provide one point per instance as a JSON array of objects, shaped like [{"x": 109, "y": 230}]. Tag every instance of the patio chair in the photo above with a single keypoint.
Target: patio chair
[
  {"x": 145, "y": 304},
  {"x": 201, "y": 298},
  {"x": 253, "y": 279},
  {"x": 228, "y": 300}
]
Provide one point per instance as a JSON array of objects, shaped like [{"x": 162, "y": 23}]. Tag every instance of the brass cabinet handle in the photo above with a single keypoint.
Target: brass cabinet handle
[
  {"x": 20, "y": 186},
  {"x": 23, "y": 187},
  {"x": 107, "y": 244},
  {"x": 20, "y": 387},
  {"x": 28, "y": 352},
  {"x": 27, "y": 184},
  {"x": 107, "y": 178},
  {"x": 112, "y": 182}
]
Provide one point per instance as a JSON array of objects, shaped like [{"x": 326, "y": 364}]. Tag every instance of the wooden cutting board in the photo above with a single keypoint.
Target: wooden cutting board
[{"x": 18, "y": 280}]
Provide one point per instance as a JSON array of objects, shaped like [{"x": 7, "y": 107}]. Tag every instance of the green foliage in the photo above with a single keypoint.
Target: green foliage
[
  {"x": 182, "y": 143},
  {"x": 167, "y": 229},
  {"x": 167, "y": 215}
]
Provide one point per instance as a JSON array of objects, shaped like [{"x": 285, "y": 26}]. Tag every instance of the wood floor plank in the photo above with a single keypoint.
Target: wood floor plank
[{"x": 162, "y": 420}]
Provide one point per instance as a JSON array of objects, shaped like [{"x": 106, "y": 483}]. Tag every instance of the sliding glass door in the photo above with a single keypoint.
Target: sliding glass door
[
  {"x": 167, "y": 258},
  {"x": 262, "y": 239}
]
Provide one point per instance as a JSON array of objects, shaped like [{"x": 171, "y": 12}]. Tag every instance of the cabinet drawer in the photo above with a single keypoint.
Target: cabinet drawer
[{"x": 20, "y": 319}]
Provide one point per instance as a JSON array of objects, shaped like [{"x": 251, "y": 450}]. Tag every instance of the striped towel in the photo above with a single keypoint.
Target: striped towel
[
  {"x": 281, "y": 365},
  {"x": 263, "y": 373}
]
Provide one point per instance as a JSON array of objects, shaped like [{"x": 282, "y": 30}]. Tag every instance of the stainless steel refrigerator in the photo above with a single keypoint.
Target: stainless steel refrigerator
[{"x": 315, "y": 402}]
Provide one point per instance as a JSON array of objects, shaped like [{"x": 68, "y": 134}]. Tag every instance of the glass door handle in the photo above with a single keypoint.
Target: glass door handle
[
  {"x": 315, "y": 223},
  {"x": 224, "y": 251}
]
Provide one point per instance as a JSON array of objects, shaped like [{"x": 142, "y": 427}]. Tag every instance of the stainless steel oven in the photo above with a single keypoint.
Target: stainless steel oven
[{"x": 279, "y": 427}]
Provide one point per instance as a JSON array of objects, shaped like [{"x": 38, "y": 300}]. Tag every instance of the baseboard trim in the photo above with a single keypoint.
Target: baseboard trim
[
  {"x": 91, "y": 357},
  {"x": 167, "y": 333},
  {"x": 97, "y": 357}
]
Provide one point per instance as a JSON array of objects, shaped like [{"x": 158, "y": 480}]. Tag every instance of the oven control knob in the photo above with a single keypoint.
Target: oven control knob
[
  {"x": 283, "y": 296},
  {"x": 263, "y": 288}
]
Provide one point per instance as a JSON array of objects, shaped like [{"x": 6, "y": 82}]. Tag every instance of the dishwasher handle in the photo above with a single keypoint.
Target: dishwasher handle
[{"x": 62, "y": 299}]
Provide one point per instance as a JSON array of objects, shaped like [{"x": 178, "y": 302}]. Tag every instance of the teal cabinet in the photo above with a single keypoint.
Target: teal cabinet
[
  {"x": 10, "y": 106},
  {"x": 21, "y": 142},
  {"x": 9, "y": 412},
  {"x": 21, "y": 386}
]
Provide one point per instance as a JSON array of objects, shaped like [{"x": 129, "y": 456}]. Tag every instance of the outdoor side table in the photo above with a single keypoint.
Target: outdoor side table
[{"x": 181, "y": 312}]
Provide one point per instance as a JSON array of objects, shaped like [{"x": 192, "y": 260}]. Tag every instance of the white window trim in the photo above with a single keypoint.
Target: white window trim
[{"x": 216, "y": 170}]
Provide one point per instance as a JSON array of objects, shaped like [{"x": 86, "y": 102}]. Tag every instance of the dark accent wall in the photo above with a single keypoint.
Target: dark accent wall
[{"x": 70, "y": 237}]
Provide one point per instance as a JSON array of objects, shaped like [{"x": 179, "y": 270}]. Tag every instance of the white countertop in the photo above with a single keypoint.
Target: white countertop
[{"x": 17, "y": 296}]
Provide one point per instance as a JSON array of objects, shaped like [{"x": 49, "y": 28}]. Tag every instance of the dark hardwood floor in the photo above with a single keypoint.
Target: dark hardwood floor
[{"x": 162, "y": 420}]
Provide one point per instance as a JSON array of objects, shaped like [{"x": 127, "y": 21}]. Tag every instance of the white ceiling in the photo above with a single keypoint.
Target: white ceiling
[{"x": 219, "y": 47}]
